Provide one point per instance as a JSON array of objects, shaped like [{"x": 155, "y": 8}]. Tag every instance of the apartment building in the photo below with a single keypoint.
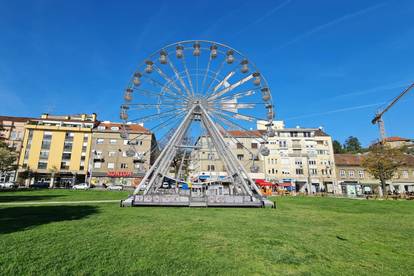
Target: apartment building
[
  {"x": 300, "y": 159},
  {"x": 354, "y": 180},
  {"x": 117, "y": 159},
  {"x": 11, "y": 132},
  {"x": 56, "y": 149}
]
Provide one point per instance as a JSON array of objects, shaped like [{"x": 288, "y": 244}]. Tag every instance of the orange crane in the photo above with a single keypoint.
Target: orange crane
[{"x": 378, "y": 117}]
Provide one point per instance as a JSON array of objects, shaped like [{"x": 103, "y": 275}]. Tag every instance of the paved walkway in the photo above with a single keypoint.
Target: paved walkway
[{"x": 59, "y": 202}]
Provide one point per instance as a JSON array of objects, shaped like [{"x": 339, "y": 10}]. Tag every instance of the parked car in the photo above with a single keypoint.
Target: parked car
[
  {"x": 8, "y": 185},
  {"x": 81, "y": 186},
  {"x": 39, "y": 185},
  {"x": 115, "y": 187}
]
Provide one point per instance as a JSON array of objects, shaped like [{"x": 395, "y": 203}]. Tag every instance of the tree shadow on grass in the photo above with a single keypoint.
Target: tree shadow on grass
[
  {"x": 19, "y": 198},
  {"x": 15, "y": 219}
]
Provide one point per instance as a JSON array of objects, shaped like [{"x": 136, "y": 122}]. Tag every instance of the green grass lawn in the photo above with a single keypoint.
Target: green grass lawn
[
  {"x": 40, "y": 195},
  {"x": 304, "y": 236}
]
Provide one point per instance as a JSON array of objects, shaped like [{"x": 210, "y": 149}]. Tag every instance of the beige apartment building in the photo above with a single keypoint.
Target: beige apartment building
[
  {"x": 12, "y": 131},
  {"x": 116, "y": 159},
  {"x": 300, "y": 159},
  {"x": 55, "y": 149},
  {"x": 354, "y": 180}
]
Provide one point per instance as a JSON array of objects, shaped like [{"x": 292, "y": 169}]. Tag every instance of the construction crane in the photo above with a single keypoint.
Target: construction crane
[{"x": 378, "y": 117}]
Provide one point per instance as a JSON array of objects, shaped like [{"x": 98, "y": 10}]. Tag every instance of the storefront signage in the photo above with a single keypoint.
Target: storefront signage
[{"x": 119, "y": 174}]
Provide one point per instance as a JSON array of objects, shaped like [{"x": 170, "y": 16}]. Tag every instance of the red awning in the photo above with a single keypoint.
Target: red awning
[{"x": 264, "y": 183}]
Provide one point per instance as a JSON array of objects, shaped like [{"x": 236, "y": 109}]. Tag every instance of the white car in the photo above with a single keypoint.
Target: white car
[
  {"x": 81, "y": 186},
  {"x": 115, "y": 187},
  {"x": 8, "y": 185}
]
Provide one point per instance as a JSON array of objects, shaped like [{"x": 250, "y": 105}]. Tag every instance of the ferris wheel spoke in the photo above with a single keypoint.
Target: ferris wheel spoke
[
  {"x": 233, "y": 69},
  {"x": 215, "y": 77},
  {"x": 158, "y": 116},
  {"x": 156, "y": 83},
  {"x": 234, "y": 124},
  {"x": 188, "y": 74},
  {"x": 139, "y": 106},
  {"x": 229, "y": 105},
  {"x": 177, "y": 76},
  {"x": 162, "y": 125},
  {"x": 154, "y": 94},
  {"x": 205, "y": 74},
  {"x": 168, "y": 80},
  {"x": 238, "y": 95},
  {"x": 224, "y": 82},
  {"x": 231, "y": 87}
]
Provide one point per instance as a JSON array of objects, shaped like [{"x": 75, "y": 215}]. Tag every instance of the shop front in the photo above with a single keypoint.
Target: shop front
[{"x": 124, "y": 178}]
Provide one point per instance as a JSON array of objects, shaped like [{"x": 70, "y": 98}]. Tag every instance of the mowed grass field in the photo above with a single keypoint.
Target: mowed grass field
[{"x": 303, "y": 236}]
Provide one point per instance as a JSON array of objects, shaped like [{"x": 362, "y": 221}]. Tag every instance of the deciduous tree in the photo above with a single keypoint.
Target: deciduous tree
[
  {"x": 383, "y": 162},
  {"x": 8, "y": 158}
]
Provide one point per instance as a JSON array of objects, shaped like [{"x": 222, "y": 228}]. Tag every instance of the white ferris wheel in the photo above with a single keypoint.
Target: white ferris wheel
[{"x": 192, "y": 89}]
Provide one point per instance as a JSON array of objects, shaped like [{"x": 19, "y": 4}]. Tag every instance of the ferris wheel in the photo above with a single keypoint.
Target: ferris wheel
[{"x": 197, "y": 88}]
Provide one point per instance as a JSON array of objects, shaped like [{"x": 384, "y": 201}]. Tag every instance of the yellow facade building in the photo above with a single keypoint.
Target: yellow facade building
[{"x": 56, "y": 149}]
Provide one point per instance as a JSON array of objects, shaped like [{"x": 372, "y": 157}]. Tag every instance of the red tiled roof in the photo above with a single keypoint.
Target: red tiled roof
[
  {"x": 348, "y": 159},
  {"x": 130, "y": 127},
  {"x": 245, "y": 133},
  {"x": 396, "y": 139},
  {"x": 15, "y": 119}
]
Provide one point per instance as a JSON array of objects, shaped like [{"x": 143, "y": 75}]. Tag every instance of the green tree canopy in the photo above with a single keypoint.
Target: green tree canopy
[
  {"x": 8, "y": 158},
  {"x": 337, "y": 147},
  {"x": 352, "y": 145}
]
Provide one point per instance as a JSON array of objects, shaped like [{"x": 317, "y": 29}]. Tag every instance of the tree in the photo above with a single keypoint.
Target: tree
[
  {"x": 8, "y": 158},
  {"x": 337, "y": 147},
  {"x": 352, "y": 145},
  {"x": 382, "y": 162}
]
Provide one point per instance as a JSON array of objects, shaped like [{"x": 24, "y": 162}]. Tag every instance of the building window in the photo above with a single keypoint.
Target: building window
[
  {"x": 313, "y": 171},
  {"x": 112, "y": 141},
  {"x": 210, "y": 167},
  {"x": 44, "y": 154},
  {"x": 42, "y": 165},
  {"x": 101, "y": 127},
  {"x": 240, "y": 156},
  {"x": 299, "y": 171},
  {"x": 351, "y": 173},
  {"x": 293, "y": 134},
  {"x": 210, "y": 156},
  {"x": 111, "y": 165},
  {"x": 100, "y": 141},
  {"x": 361, "y": 174},
  {"x": 67, "y": 146},
  {"x": 114, "y": 128},
  {"x": 283, "y": 144},
  {"x": 64, "y": 165},
  {"x": 312, "y": 162},
  {"x": 405, "y": 174},
  {"x": 298, "y": 162},
  {"x": 111, "y": 153},
  {"x": 97, "y": 165},
  {"x": 124, "y": 165},
  {"x": 66, "y": 156},
  {"x": 307, "y": 134},
  {"x": 342, "y": 173},
  {"x": 239, "y": 145},
  {"x": 254, "y": 145}
]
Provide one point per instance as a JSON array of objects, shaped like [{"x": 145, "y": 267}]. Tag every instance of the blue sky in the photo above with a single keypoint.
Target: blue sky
[{"x": 328, "y": 63}]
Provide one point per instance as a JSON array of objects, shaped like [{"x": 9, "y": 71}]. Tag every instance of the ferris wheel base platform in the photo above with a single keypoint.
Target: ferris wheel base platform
[{"x": 234, "y": 201}]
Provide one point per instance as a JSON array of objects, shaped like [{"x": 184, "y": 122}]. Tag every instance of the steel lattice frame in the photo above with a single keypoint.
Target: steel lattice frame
[{"x": 192, "y": 81}]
